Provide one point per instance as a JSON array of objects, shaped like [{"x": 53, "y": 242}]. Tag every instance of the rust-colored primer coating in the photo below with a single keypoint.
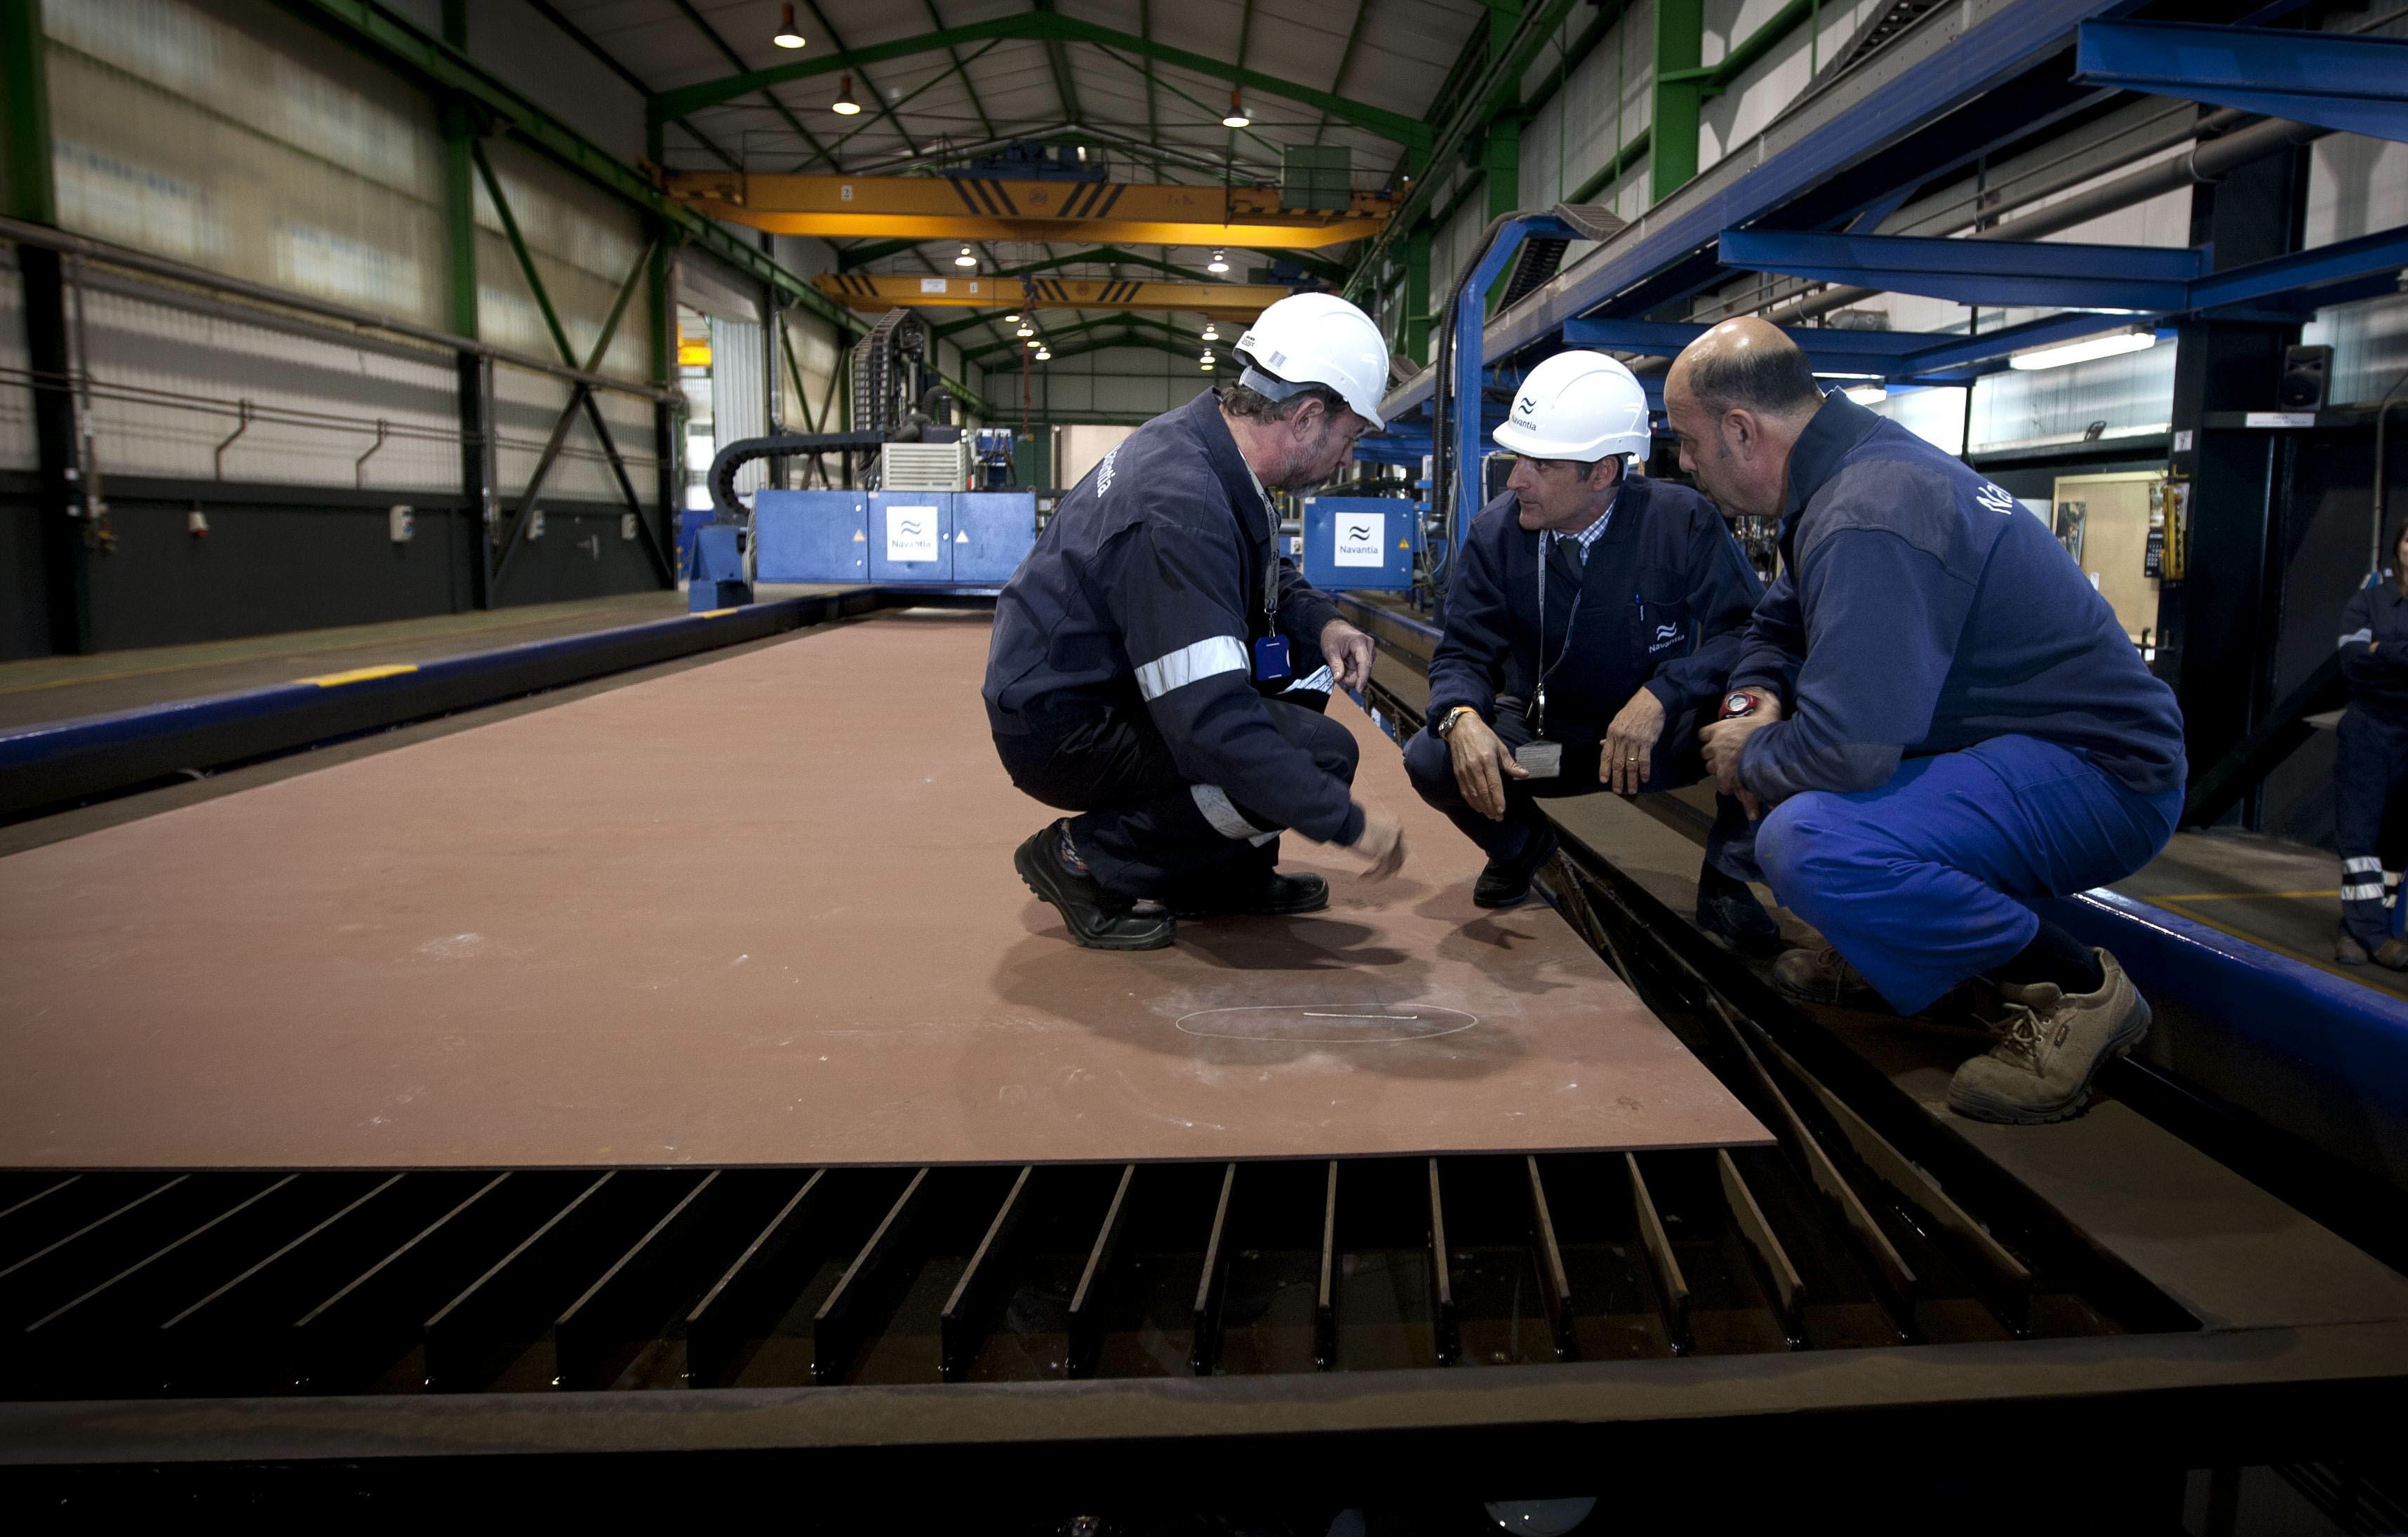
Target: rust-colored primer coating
[{"x": 763, "y": 912}]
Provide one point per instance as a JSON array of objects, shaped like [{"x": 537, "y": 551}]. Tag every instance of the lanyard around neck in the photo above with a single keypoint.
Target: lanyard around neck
[{"x": 1538, "y": 693}]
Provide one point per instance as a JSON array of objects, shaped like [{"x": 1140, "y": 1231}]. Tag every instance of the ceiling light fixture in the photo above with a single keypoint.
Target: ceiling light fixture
[
  {"x": 1209, "y": 334},
  {"x": 1236, "y": 118},
  {"x": 2139, "y": 338},
  {"x": 966, "y": 258},
  {"x": 1032, "y": 343},
  {"x": 787, "y": 35},
  {"x": 1012, "y": 319},
  {"x": 844, "y": 106},
  {"x": 1044, "y": 354},
  {"x": 1025, "y": 329},
  {"x": 1220, "y": 262}
]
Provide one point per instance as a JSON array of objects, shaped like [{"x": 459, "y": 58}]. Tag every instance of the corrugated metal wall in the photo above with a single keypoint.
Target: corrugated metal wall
[{"x": 739, "y": 407}]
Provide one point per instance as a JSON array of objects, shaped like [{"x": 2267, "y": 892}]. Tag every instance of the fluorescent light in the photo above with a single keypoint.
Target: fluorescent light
[
  {"x": 966, "y": 258},
  {"x": 1865, "y": 395},
  {"x": 786, "y": 35},
  {"x": 844, "y": 106},
  {"x": 1220, "y": 261},
  {"x": 1820, "y": 373},
  {"x": 1236, "y": 118},
  {"x": 2139, "y": 339}
]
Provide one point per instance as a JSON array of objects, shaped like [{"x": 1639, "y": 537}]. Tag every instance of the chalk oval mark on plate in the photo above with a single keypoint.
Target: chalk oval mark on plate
[{"x": 1324, "y": 1024}]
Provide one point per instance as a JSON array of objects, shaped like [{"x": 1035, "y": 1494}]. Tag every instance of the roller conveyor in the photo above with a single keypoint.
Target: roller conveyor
[{"x": 1876, "y": 1272}]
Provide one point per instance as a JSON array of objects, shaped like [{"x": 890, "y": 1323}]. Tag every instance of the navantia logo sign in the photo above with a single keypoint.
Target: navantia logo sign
[
  {"x": 1526, "y": 406},
  {"x": 1995, "y": 497}
]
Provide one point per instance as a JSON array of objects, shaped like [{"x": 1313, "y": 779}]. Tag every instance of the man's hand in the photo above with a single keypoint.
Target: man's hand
[
  {"x": 1629, "y": 745},
  {"x": 1723, "y": 740},
  {"x": 1348, "y": 652},
  {"x": 1382, "y": 842},
  {"x": 1480, "y": 764}
]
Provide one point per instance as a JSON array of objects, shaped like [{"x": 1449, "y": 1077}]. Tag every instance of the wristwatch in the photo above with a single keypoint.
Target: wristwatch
[{"x": 1447, "y": 722}]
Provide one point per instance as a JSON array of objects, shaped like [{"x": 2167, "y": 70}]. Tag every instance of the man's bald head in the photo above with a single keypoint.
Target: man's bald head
[
  {"x": 1747, "y": 364},
  {"x": 1738, "y": 398}
]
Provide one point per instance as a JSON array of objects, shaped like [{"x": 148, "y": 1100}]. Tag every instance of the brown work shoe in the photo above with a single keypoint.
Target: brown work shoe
[
  {"x": 2393, "y": 954},
  {"x": 1819, "y": 974},
  {"x": 2056, "y": 1044},
  {"x": 2347, "y": 950}
]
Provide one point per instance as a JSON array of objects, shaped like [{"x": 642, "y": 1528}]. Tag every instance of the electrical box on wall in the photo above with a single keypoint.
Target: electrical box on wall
[
  {"x": 535, "y": 525},
  {"x": 401, "y": 525},
  {"x": 627, "y": 527}
]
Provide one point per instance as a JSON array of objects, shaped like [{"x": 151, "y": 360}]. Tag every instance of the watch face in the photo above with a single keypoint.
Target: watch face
[{"x": 1738, "y": 704}]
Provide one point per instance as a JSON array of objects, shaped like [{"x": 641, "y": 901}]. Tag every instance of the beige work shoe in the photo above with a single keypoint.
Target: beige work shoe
[{"x": 2055, "y": 1043}]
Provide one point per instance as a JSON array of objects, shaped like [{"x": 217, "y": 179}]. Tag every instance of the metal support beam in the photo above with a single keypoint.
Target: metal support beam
[
  {"x": 1413, "y": 326},
  {"x": 883, "y": 292},
  {"x": 1679, "y": 92},
  {"x": 2352, "y": 84},
  {"x": 1898, "y": 355},
  {"x": 978, "y": 209},
  {"x": 62, "y": 529},
  {"x": 2046, "y": 275},
  {"x": 1045, "y": 27}
]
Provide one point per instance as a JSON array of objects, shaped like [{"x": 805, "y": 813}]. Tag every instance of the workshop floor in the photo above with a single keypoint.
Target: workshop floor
[
  {"x": 762, "y": 912},
  {"x": 59, "y": 688},
  {"x": 2270, "y": 891}
]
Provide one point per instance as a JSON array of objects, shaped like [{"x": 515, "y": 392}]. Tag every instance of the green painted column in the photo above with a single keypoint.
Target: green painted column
[
  {"x": 1501, "y": 167},
  {"x": 1680, "y": 47},
  {"x": 1417, "y": 327},
  {"x": 459, "y": 192},
  {"x": 25, "y": 114}
]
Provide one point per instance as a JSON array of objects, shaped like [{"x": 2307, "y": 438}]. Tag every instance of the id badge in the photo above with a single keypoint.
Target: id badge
[
  {"x": 1271, "y": 659},
  {"x": 1542, "y": 759}
]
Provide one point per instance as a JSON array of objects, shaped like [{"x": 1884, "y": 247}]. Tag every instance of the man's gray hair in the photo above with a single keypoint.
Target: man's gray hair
[
  {"x": 1772, "y": 380},
  {"x": 1240, "y": 399}
]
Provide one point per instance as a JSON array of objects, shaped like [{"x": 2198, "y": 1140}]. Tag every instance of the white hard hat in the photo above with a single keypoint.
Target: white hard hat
[
  {"x": 1579, "y": 406},
  {"x": 1318, "y": 338}
]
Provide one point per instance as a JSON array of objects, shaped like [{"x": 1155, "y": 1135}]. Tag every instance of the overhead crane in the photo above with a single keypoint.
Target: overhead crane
[
  {"x": 875, "y": 293},
  {"x": 943, "y": 207}
]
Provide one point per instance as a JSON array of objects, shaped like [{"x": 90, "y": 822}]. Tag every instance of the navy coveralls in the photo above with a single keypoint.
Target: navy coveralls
[
  {"x": 1967, "y": 727},
  {"x": 1120, "y": 680},
  {"x": 2373, "y": 757},
  {"x": 1661, "y": 602}
]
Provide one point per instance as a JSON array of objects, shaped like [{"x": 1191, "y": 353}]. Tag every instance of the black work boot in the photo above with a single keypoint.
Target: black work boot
[
  {"x": 1096, "y": 917},
  {"x": 1262, "y": 893},
  {"x": 1726, "y": 908},
  {"x": 1506, "y": 880}
]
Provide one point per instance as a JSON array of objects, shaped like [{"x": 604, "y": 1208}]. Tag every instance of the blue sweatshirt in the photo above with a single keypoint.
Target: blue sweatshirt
[
  {"x": 1146, "y": 591},
  {"x": 1920, "y": 609},
  {"x": 2375, "y": 650},
  {"x": 1663, "y": 597}
]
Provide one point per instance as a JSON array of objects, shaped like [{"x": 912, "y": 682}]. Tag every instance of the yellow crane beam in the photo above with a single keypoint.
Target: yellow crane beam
[
  {"x": 946, "y": 207},
  {"x": 875, "y": 292}
]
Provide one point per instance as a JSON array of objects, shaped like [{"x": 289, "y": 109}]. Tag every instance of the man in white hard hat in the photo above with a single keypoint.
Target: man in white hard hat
[
  {"x": 1591, "y": 624},
  {"x": 1159, "y": 669}
]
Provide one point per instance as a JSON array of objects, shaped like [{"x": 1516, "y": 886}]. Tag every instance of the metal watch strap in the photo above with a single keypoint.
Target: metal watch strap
[{"x": 1446, "y": 723}]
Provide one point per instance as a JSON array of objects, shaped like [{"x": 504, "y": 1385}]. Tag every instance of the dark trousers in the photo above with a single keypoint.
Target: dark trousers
[
  {"x": 2367, "y": 771},
  {"x": 1430, "y": 764},
  {"x": 1144, "y": 827}
]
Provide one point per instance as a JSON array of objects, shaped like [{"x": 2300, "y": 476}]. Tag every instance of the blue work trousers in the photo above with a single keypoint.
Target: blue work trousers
[{"x": 1922, "y": 883}]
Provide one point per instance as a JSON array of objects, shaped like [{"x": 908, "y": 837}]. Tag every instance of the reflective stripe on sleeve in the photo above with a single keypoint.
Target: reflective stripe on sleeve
[
  {"x": 2371, "y": 892},
  {"x": 2365, "y": 864},
  {"x": 1214, "y": 803},
  {"x": 1208, "y": 658},
  {"x": 2356, "y": 635}
]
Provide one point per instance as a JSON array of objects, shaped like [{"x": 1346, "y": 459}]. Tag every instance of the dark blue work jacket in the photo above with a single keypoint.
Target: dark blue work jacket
[
  {"x": 2375, "y": 650},
  {"x": 1920, "y": 609},
  {"x": 1663, "y": 597},
  {"x": 1146, "y": 591}
]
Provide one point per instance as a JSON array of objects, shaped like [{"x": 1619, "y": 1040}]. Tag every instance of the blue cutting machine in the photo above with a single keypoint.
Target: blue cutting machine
[{"x": 947, "y": 539}]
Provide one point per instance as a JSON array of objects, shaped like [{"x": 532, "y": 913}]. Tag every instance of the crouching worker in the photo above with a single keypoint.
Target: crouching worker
[
  {"x": 1593, "y": 618},
  {"x": 1144, "y": 671},
  {"x": 1949, "y": 722}
]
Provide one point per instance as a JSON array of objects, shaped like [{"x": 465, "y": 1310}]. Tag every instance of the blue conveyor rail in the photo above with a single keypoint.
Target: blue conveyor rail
[{"x": 61, "y": 763}]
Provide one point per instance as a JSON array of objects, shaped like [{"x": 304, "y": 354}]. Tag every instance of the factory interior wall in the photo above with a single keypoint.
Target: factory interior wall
[{"x": 231, "y": 137}]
